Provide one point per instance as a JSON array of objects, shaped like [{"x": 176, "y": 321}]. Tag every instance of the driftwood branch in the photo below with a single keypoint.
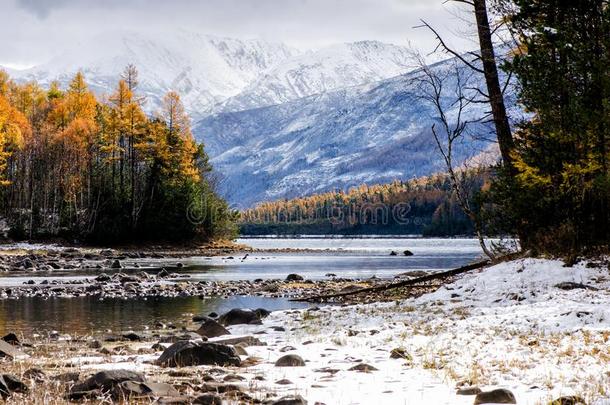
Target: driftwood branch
[{"x": 407, "y": 283}]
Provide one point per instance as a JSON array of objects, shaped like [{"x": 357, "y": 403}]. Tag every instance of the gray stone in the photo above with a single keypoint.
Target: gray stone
[
  {"x": 238, "y": 316},
  {"x": 106, "y": 381},
  {"x": 211, "y": 329},
  {"x": 10, "y": 384},
  {"x": 290, "y": 360},
  {"x": 498, "y": 396},
  {"x": 189, "y": 353},
  {"x": 128, "y": 389}
]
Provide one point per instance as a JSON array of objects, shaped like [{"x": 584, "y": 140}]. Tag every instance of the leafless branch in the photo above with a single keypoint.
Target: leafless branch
[{"x": 442, "y": 44}]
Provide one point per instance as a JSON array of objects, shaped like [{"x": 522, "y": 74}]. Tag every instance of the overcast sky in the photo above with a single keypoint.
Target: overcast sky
[{"x": 33, "y": 31}]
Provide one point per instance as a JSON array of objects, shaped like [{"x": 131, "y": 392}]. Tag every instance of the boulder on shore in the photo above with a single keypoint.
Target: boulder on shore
[
  {"x": 12, "y": 339},
  {"x": 238, "y": 316},
  {"x": 211, "y": 329},
  {"x": 290, "y": 360},
  {"x": 189, "y": 353},
  {"x": 498, "y": 396},
  {"x": 10, "y": 384},
  {"x": 104, "y": 382}
]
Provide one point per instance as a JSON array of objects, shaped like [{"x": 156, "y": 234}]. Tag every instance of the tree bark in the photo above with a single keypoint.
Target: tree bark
[{"x": 496, "y": 98}]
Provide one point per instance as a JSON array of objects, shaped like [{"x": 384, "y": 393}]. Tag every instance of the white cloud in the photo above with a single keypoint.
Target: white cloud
[{"x": 33, "y": 31}]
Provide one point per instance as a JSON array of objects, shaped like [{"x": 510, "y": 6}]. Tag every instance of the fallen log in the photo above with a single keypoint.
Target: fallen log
[{"x": 406, "y": 283}]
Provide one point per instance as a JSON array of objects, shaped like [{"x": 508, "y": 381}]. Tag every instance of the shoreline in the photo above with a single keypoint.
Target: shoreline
[
  {"x": 530, "y": 326},
  {"x": 107, "y": 273}
]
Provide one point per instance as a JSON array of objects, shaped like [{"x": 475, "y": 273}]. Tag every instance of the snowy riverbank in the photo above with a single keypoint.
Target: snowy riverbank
[
  {"x": 531, "y": 326},
  {"x": 510, "y": 326}
]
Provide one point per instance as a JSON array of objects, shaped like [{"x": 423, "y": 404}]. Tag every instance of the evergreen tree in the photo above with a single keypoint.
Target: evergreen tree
[{"x": 563, "y": 184}]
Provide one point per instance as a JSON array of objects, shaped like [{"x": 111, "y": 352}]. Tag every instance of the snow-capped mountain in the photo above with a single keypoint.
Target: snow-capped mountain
[
  {"x": 215, "y": 74},
  {"x": 204, "y": 69},
  {"x": 319, "y": 71},
  {"x": 372, "y": 133}
]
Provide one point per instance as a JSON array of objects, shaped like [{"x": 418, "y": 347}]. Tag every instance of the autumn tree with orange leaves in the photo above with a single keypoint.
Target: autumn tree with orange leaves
[{"x": 72, "y": 165}]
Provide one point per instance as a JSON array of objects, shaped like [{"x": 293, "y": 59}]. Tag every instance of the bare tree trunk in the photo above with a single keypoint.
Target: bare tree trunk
[{"x": 496, "y": 98}]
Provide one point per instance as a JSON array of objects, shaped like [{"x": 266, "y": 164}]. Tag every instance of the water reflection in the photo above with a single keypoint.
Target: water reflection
[{"x": 88, "y": 315}]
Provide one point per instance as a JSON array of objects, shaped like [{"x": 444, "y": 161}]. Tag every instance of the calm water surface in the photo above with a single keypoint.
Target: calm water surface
[
  {"x": 85, "y": 315},
  {"x": 345, "y": 257}
]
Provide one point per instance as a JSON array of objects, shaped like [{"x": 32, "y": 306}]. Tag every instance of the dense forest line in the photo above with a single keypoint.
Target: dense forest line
[
  {"x": 425, "y": 206},
  {"x": 75, "y": 166}
]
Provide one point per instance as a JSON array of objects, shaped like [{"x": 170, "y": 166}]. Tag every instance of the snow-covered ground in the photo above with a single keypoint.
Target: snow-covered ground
[{"x": 509, "y": 326}]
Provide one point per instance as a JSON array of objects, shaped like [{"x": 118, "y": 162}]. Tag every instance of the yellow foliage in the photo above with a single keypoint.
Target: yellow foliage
[{"x": 14, "y": 127}]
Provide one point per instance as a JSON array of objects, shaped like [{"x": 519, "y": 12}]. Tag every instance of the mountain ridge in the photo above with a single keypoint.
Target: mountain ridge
[
  {"x": 373, "y": 133},
  {"x": 280, "y": 122}
]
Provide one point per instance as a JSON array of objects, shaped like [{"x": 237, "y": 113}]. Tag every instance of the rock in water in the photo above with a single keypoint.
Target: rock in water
[
  {"x": 239, "y": 316},
  {"x": 290, "y": 360},
  {"x": 211, "y": 329},
  {"x": 407, "y": 253},
  {"x": 291, "y": 400},
  {"x": 189, "y": 353},
  {"x": 498, "y": 396},
  {"x": 294, "y": 277}
]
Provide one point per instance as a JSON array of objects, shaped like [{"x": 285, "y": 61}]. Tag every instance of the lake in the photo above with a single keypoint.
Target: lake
[{"x": 346, "y": 257}]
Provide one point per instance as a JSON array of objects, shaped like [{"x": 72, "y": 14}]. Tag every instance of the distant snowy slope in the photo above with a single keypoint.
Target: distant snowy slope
[
  {"x": 319, "y": 71},
  {"x": 215, "y": 74},
  {"x": 204, "y": 69},
  {"x": 366, "y": 134}
]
